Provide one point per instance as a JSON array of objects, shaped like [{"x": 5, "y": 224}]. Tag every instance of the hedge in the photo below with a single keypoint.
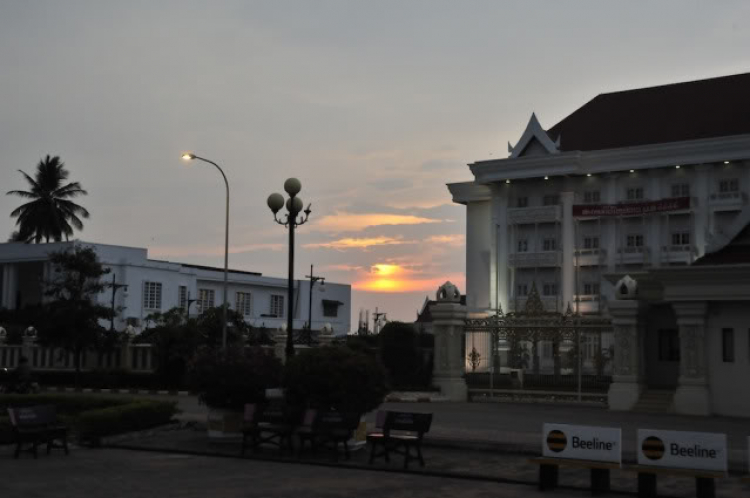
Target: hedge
[
  {"x": 106, "y": 379},
  {"x": 92, "y": 417},
  {"x": 139, "y": 415}
]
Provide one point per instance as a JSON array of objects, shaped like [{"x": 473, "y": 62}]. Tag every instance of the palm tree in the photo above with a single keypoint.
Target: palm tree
[{"x": 50, "y": 214}]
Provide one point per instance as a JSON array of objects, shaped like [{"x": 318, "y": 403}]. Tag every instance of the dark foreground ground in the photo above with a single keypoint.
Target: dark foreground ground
[{"x": 111, "y": 473}]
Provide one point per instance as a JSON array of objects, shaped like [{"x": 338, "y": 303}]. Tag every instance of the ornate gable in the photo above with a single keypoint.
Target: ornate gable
[{"x": 534, "y": 141}]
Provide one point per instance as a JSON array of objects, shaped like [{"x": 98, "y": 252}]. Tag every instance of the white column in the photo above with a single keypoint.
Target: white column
[
  {"x": 626, "y": 386},
  {"x": 568, "y": 249},
  {"x": 280, "y": 344},
  {"x": 478, "y": 250},
  {"x": 10, "y": 286},
  {"x": 692, "y": 395},
  {"x": 449, "y": 366},
  {"x": 610, "y": 241},
  {"x": 700, "y": 191},
  {"x": 501, "y": 236}
]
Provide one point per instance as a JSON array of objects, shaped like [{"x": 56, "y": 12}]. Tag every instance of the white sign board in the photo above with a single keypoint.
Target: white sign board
[
  {"x": 582, "y": 442},
  {"x": 684, "y": 450}
]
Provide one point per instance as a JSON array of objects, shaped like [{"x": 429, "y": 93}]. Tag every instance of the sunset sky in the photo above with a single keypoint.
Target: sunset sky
[{"x": 374, "y": 106}]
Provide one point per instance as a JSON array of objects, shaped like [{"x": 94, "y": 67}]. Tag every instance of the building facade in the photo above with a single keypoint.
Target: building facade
[
  {"x": 640, "y": 181},
  {"x": 157, "y": 286}
]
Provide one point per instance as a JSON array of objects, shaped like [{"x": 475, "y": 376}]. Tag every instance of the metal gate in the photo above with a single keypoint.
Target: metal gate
[{"x": 534, "y": 353}]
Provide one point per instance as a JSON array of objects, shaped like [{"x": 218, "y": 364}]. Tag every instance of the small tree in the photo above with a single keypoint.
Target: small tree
[
  {"x": 400, "y": 355},
  {"x": 74, "y": 313},
  {"x": 335, "y": 378},
  {"x": 209, "y": 325},
  {"x": 176, "y": 340}
]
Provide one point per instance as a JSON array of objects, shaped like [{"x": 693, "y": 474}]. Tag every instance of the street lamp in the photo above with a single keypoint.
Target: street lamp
[
  {"x": 189, "y": 157},
  {"x": 115, "y": 288},
  {"x": 294, "y": 207},
  {"x": 313, "y": 278}
]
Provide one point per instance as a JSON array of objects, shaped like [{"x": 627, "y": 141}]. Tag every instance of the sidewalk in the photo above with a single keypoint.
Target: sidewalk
[{"x": 463, "y": 462}]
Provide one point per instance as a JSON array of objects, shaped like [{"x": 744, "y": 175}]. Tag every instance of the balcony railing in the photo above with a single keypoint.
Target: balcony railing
[
  {"x": 633, "y": 255},
  {"x": 728, "y": 198},
  {"x": 535, "y": 259},
  {"x": 590, "y": 257},
  {"x": 682, "y": 253},
  {"x": 519, "y": 303},
  {"x": 536, "y": 214}
]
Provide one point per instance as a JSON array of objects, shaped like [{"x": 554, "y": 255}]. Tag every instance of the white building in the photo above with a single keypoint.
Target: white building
[
  {"x": 154, "y": 286},
  {"x": 634, "y": 182}
]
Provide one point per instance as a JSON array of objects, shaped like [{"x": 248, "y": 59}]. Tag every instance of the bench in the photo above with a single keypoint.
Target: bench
[
  {"x": 37, "y": 425},
  {"x": 549, "y": 472},
  {"x": 271, "y": 423},
  {"x": 399, "y": 433},
  {"x": 705, "y": 486},
  {"x": 328, "y": 428}
]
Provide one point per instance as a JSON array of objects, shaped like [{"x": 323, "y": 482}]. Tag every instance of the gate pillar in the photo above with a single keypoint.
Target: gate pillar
[
  {"x": 626, "y": 386},
  {"x": 449, "y": 317}
]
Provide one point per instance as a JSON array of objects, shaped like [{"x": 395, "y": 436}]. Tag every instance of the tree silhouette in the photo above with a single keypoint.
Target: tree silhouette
[{"x": 50, "y": 214}]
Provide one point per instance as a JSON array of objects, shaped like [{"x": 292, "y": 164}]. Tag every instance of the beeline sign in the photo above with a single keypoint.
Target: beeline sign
[
  {"x": 632, "y": 208},
  {"x": 685, "y": 450},
  {"x": 582, "y": 442}
]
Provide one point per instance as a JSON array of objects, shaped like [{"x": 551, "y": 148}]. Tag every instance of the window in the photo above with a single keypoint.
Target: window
[
  {"x": 729, "y": 185},
  {"x": 727, "y": 345},
  {"x": 523, "y": 245},
  {"x": 522, "y": 290},
  {"x": 152, "y": 295},
  {"x": 680, "y": 238},
  {"x": 551, "y": 200},
  {"x": 635, "y": 241},
  {"x": 681, "y": 190},
  {"x": 549, "y": 244},
  {"x": 205, "y": 299},
  {"x": 591, "y": 197},
  {"x": 669, "y": 345},
  {"x": 591, "y": 289},
  {"x": 522, "y": 202},
  {"x": 243, "y": 303},
  {"x": 277, "y": 306},
  {"x": 331, "y": 308},
  {"x": 591, "y": 242},
  {"x": 549, "y": 290},
  {"x": 635, "y": 194},
  {"x": 182, "y": 297}
]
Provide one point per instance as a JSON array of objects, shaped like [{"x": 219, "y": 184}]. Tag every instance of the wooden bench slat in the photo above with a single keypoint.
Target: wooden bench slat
[{"x": 703, "y": 474}]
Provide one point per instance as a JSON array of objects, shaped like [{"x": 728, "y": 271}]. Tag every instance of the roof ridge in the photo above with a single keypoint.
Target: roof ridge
[{"x": 677, "y": 83}]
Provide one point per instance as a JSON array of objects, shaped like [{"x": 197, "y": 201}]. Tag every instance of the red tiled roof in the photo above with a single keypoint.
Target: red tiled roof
[
  {"x": 693, "y": 110},
  {"x": 731, "y": 254}
]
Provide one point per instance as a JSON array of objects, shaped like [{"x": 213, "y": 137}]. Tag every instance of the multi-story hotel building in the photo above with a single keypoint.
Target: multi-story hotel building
[{"x": 632, "y": 180}]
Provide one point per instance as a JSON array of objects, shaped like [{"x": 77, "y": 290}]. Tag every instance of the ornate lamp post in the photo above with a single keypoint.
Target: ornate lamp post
[
  {"x": 294, "y": 207},
  {"x": 189, "y": 157}
]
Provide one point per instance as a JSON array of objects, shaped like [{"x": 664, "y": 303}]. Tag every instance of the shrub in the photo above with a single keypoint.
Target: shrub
[
  {"x": 92, "y": 417},
  {"x": 335, "y": 378},
  {"x": 406, "y": 356},
  {"x": 135, "y": 416},
  {"x": 232, "y": 378}
]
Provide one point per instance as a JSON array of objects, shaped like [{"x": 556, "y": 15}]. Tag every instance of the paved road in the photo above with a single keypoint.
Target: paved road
[{"x": 128, "y": 474}]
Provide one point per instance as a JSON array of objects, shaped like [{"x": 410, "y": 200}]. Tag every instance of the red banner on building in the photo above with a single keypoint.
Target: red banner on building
[{"x": 632, "y": 208}]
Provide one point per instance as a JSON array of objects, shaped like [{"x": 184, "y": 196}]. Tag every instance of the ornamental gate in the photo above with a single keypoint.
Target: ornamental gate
[{"x": 534, "y": 353}]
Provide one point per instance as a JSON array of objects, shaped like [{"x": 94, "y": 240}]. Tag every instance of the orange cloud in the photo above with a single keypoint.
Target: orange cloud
[
  {"x": 453, "y": 240},
  {"x": 358, "y": 243},
  {"x": 349, "y": 222},
  {"x": 391, "y": 277}
]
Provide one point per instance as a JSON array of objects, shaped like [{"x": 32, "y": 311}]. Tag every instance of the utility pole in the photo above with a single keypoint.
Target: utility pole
[
  {"x": 313, "y": 279},
  {"x": 115, "y": 286}
]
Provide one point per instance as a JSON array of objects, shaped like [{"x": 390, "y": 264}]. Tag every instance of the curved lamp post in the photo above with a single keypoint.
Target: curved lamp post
[
  {"x": 189, "y": 157},
  {"x": 294, "y": 207}
]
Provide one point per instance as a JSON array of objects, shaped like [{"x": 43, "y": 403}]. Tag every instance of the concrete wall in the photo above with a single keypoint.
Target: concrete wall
[{"x": 730, "y": 391}]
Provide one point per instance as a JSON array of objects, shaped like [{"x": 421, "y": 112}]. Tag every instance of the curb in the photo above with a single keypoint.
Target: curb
[{"x": 88, "y": 390}]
